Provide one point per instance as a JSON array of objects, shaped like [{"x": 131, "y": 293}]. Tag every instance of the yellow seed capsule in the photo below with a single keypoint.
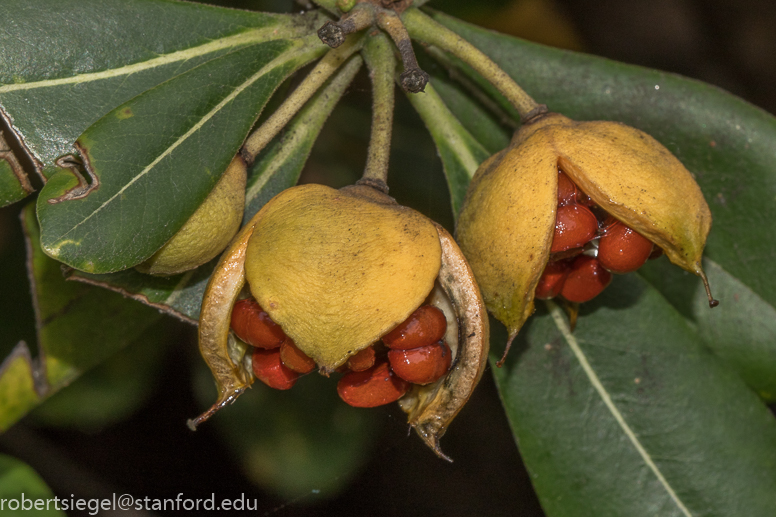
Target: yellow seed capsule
[
  {"x": 507, "y": 222},
  {"x": 326, "y": 266},
  {"x": 337, "y": 270}
]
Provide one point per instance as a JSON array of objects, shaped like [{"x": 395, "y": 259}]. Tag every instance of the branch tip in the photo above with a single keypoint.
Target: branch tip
[
  {"x": 414, "y": 80},
  {"x": 331, "y": 34}
]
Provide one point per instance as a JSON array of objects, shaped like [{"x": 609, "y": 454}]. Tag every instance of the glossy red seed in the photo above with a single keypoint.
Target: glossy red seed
[
  {"x": 421, "y": 365},
  {"x": 294, "y": 359},
  {"x": 373, "y": 387},
  {"x": 254, "y": 326},
  {"x": 269, "y": 369},
  {"x": 363, "y": 360},
  {"x": 622, "y": 250},
  {"x": 425, "y": 326},
  {"x": 551, "y": 281},
  {"x": 575, "y": 225},
  {"x": 567, "y": 191},
  {"x": 586, "y": 280}
]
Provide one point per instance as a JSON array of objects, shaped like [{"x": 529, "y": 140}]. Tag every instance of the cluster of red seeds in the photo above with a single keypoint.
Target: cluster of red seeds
[
  {"x": 578, "y": 269},
  {"x": 413, "y": 353}
]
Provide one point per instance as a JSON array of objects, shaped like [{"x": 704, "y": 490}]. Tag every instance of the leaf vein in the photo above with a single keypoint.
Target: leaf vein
[
  {"x": 557, "y": 316},
  {"x": 301, "y": 47},
  {"x": 242, "y": 39}
]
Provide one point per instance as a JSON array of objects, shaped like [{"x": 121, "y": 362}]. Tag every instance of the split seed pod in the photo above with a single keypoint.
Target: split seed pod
[
  {"x": 507, "y": 222},
  {"x": 337, "y": 270}
]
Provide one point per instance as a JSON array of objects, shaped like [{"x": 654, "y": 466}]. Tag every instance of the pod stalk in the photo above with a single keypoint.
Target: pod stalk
[
  {"x": 424, "y": 28},
  {"x": 329, "y": 64},
  {"x": 381, "y": 62}
]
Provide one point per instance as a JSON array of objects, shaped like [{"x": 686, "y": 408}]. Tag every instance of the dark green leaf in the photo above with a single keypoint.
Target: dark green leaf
[
  {"x": 298, "y": 441},
  {"x": 78, "y": 327},
  {"x": 113, "y": 390},
  {"x": 631, "y": 415},
  {"x": 60, "y": 72},
  {"x": 154, "y": 159},
  {"x": 179, "y": 295},
  {"x": 742, "y": 330},
  {"x": 14, "y": 184},
  {"x": 11, "y": 189},
  {"x": 17, "y": 478}
]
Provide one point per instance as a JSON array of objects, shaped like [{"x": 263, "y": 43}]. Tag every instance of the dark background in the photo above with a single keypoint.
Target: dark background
[{"x": 728, "y": 43}]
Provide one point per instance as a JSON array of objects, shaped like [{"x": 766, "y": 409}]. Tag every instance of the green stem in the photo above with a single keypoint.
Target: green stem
[
  {"x": 322, "y": 71},
  {"x": 423, "y": 28},
  {"x": 379, "y": 57}
]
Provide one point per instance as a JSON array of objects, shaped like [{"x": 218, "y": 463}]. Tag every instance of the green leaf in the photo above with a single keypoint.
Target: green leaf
[
  {"x": 742, "y": 330},
  {"x": 727, "y": 143},
  {"x": 18, "y": 392},
  {"x": 14, "y": 184},
  {"x": 11, "y": 189},
  {"x": 179, "y": 296},
  {"x": 113, "y": 390},
  {"x": 461, "y": 154},
  {"x": 277, "y": 168},
  {"x": 78, "y": 327},
  {"x": 17, "y": 478},
  {"x": 60, "y": 72},
  {"x": 154, "y": 159},
  {"x": 632, "y": 415},
  {"x": 296, "y": 441}
]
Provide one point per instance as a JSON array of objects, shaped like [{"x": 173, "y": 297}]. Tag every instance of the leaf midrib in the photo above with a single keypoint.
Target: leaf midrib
[
  {"x": 260, "y": 35},
  {"x": 561, "y": 324},
  {"x": 302, "y": 46}
]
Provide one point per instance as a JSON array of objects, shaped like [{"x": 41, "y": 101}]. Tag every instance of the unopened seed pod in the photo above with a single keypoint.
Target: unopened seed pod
[
  {"x": 508, "y": 219},
  {"x": 337, "y": 270},
  {"x": 208, "y": 231}
]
